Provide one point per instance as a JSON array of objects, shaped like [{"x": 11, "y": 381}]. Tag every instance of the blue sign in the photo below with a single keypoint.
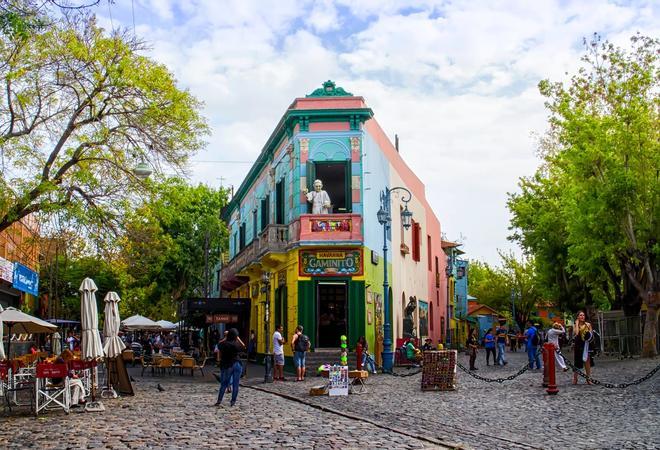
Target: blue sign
[{"x": 26, "y": 280}]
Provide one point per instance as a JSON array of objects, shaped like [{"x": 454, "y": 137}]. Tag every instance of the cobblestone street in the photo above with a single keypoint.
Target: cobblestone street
[{"x": 394, "y": 413}]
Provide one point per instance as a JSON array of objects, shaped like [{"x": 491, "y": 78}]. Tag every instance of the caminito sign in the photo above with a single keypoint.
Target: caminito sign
[{"x": 335, "y": 262}]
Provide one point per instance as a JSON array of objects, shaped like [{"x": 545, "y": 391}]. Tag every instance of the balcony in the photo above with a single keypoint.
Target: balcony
[
  {"x": 274, "y": 239},
  {"x": 328, "y": 227},
  {"x": 277, "y": 239}
]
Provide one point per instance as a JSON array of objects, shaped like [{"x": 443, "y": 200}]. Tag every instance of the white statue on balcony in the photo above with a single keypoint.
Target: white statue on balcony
[{"x": 319, "y": 199}]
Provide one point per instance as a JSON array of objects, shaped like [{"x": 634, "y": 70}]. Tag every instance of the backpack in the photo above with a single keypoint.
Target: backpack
[
  {"x": 302, "y": 343},
  {"x": 536, "y": 339}
]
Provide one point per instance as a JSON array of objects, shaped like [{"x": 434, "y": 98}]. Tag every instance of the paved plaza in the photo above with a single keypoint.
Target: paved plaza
[{"x": 394, "y": 413}]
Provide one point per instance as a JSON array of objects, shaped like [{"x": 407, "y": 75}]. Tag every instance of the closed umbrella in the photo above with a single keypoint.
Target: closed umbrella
[
  {"x": 113, "y": 344},
  {"x": 2, "y": 345},
  {"x": 56, "y": 340},
  {"x": 89, "y": 317},
  {"x": 91, "y": 348}
]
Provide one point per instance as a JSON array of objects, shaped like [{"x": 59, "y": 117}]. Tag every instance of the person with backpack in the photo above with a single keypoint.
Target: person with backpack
[
  {"x": 533, "y": 340},
  {"x": 300, "y": 345}
]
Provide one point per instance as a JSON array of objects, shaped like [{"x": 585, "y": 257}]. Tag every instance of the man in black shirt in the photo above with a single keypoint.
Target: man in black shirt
[{"x": 230, "y": 365}]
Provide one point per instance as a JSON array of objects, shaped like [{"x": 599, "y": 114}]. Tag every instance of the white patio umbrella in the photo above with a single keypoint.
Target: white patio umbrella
[
  {"x": 166, "y": 325},
  {"x": 113, "y": 344},
  {"x": 138, "y": 322},
  {"x": 16, "y": 321},
  {"x": 89, "y": 318},
  {"x": 2, "y": 346}
]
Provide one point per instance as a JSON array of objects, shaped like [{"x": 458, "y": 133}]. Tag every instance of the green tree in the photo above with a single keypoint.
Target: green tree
[
  {"x": 79, "y": 109},
  {"x": 600, "y": 180},
  {"x": 172, "y": 242},
  {"x": 512, "y": 285},
  {"x": 489, "y": 285}
]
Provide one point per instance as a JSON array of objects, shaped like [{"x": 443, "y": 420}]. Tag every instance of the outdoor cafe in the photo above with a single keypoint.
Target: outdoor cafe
[{"x": 67, "y": 375}]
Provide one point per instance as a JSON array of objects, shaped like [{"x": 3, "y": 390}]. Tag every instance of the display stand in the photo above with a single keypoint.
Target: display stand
[{"x": 439, "y": 370}]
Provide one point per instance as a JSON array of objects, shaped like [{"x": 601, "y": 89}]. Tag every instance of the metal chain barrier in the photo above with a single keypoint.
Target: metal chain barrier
[
  {"x": 606, "y": 384},
  {"x": 524, "y": 369}
]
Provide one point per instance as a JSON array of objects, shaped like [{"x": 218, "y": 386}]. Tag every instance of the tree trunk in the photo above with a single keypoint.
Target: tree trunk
[{"x": 649, "y": 339}]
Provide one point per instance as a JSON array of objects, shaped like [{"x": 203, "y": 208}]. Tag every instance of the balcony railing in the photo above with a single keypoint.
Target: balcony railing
[
  {"x": 328, "y": 227},
  {"x": 274, "y": 239},
  {"x": 279, "y": 238}
]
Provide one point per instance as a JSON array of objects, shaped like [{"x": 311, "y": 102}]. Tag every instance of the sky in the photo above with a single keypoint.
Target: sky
[{"x": 455, "y": 80}]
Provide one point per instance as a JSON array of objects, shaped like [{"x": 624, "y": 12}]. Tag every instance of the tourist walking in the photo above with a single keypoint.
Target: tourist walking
[
  {"x": 582, "y": 333},
  {"x": 473, "y": 344},
  {"x": 230, "y": 365},
  {"x": 278, "y": 353},
  {"x": 489, "y": 345},
  {"x": 300, "y": 345},
  {"x": 554, "y": 333},
  {"x": 501, "y": 333},
  {"x": 533, "y": 341}
]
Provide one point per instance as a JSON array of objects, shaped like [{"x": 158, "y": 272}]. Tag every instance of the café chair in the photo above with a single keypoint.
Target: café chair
[{"x": 51, "y": 394}]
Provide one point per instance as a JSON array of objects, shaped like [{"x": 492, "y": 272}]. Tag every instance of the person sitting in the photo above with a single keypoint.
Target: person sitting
[
  {"x": 76, "y": 387},
  {"x": 428, "y": 345},
  {"x": 413, "y": 354}
]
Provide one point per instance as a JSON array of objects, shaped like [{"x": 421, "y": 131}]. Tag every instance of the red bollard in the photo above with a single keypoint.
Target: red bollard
[
  {"x": 545, "y": 354},
  {"x": 550, "y": 361},
  {"x": 358, "y": 353}
]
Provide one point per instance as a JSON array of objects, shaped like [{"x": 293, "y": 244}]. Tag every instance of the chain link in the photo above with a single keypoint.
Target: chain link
[
  {"x": 606, "y": 384},
  {"x": 522, "y": 370}
]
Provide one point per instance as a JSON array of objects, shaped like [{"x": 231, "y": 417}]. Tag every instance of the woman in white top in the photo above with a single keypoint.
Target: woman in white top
[{"x": 553, "y": 338}]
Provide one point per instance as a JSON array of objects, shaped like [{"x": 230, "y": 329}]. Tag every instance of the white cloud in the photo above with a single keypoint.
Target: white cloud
[{"x": 456, "y": 80}]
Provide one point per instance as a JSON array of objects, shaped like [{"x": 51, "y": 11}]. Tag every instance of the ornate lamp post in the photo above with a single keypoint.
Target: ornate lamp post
[
  {"x": 449, "y": 270},
  {"x": 268, "y": 366},
  {"x": 385, "y": 219}
]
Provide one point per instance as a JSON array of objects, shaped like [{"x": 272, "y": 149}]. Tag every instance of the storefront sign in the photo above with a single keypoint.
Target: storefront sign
[
  {"x": 338, "y": 377},
  {"x": 6, "y": 270},
  {"x": 25, "y": 280},
  {"x": 221, "y": 318},
  {"x": 339, "y": 262}
]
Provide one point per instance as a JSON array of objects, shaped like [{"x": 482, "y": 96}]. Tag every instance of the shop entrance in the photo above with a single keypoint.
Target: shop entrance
[{"x": 332, "y": 298}]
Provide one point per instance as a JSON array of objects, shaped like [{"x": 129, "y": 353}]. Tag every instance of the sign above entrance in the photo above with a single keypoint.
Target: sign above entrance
[
  {"x": 221, "y": 318},
  {"x": 330, "y": 262}
]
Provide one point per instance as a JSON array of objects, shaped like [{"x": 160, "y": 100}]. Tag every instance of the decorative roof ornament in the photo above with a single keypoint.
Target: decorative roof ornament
[{"x": 330, "y": 89}]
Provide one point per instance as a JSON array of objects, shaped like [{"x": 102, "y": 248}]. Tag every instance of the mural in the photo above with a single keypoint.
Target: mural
[{"x": 423, "y": 319}]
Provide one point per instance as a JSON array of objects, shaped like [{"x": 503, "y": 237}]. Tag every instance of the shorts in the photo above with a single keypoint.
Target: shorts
[
  {"x": 279, "y": 359},
  {"x": 299, "y": 359}
]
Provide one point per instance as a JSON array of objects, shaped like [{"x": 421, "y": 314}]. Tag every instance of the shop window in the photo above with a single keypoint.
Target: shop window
[
  {"x": 416, "y": 241},
  {"x": 336, "y": 178}
]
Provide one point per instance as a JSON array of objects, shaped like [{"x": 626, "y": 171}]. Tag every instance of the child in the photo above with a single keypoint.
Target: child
[{"x": 553, "y": 338}]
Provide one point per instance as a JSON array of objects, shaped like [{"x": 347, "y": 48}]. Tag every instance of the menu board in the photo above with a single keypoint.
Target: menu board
[
  {"x": 439, "y": 370},
  {"x": 338, "y": 380}
]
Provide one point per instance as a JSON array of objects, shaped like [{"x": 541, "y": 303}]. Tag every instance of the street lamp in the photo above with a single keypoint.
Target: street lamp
[
  {"x": 268, "y": 366},
  {"x": 385, "y": 219},
  {"x": 449, "y": 270}
]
